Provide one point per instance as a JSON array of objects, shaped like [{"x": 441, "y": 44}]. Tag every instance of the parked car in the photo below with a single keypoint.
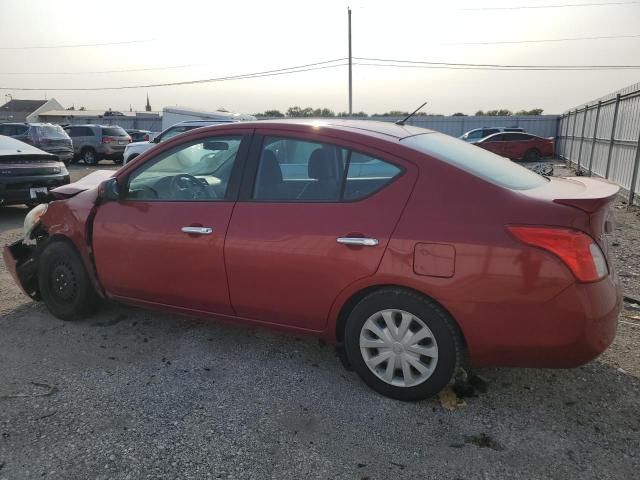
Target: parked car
[
  {"x": 447, "y": 254},
  {"x": 139, "y": 135},
  {"x": 134, "y": 149},
  {"x": 518, "y": 146},
  {"x": 91, "y": 143},
  {"x": 45, "y": 136},
  {"x": 479, "y": 133},
  {"x": 27, "y": 173}
]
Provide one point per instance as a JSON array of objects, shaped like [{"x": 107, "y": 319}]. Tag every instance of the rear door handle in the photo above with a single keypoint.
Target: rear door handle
[
  {"x": 197, "y": 230},
  {"x": 359, "y": 241}
]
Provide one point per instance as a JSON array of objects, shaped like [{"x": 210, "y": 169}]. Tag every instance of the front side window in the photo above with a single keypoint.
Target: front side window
[
  {"x": 474, "y": 135},
  {"x": 490, "y": 131},
  {"x": 197, "y": 171},
  {"x": 304, "y": 171}
]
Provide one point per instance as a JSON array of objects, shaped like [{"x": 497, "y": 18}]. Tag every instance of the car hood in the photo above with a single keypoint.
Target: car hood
[{"x": 86, "y": 183}]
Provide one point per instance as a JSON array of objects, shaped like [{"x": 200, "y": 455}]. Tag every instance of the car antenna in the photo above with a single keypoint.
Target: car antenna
[{"x": 403, "y": 121}]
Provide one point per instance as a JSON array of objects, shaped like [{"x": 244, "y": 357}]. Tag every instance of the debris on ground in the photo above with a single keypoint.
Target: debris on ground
[
  {"x": 484, "y": 441},
  {"x": 449, "y": 400}
]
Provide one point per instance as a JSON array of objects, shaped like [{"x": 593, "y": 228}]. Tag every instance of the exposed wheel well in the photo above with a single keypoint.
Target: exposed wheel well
[{"x": 350, "y": 304}]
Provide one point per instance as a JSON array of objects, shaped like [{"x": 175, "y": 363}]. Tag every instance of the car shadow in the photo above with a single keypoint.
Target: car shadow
[{"x": 558, "y": 420}]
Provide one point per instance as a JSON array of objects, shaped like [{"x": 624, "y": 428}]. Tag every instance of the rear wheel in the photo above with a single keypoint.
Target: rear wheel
[
  {"x": 532, "y": 155},
  {"x": 118, "y": 161},
  {"x": 402, "y": 344},
  {"x": 89, "y": 156},
  {"x": 64, "y": 283}
]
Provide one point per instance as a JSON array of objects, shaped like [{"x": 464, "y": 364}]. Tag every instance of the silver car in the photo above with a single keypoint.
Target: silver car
[{"x": 92, "y": 143}]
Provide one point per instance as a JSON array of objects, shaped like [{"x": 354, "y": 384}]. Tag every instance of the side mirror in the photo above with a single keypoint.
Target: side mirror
[
  {"x": 156, "y": 139},
  {"x": 110, "y": 190}
]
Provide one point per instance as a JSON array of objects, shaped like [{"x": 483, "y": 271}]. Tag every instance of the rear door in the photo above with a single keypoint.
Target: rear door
[
  {"x": 163, "y": 242},
  {"x": 314, "y": 216}
]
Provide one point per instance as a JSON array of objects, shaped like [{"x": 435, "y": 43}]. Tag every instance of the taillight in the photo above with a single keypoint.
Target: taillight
[
  {"x": 575, "y": 248},
  {"x": 108, "y": 139},
  {"x": 128, "y": 139},
  {"x": 146, "y": 138}
]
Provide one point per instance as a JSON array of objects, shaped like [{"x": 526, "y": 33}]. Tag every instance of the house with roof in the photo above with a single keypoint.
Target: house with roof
[{"x": 24, "y": 110}]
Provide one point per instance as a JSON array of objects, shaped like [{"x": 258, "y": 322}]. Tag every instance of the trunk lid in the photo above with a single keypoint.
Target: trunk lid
[
  {"x": 30, "y": 165},
  {"x": 593, "y": 196}
]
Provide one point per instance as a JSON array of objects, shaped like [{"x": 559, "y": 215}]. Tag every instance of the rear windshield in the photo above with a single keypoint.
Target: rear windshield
[
  {"x": 475, "y": 160},
  {"x": 51, "y": 131},
  {"x": 114, "y": 131}
]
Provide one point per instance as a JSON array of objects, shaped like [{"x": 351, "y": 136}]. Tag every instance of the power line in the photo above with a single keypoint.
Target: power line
[
  {"x": 81, "y": 45},
  {"x": 445, "y": 67},
  {"x": 502, "y": 66},
  {"x": 266, "y": 73},
  {"x": 568, "y": 39},
  {"x": 563, "y": 5},
  {"x": 170, "y": 67}
]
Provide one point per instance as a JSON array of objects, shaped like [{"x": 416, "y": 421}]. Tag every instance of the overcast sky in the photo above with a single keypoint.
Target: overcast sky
[{"x": 216, "y": 39}]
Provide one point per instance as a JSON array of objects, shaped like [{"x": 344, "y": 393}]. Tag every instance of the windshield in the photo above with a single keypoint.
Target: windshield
[
  {"x": 475, "y": 160},
  {"x": 51, "y": 131}
]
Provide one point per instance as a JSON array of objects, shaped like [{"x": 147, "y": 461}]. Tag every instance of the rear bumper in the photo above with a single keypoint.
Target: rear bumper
[
  {"x": 17, "y": 190},
  {"x": 22, "y": 265},
  {"x": 569, "y": 330}
]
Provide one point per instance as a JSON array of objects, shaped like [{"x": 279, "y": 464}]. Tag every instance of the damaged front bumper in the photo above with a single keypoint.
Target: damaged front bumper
[{"x": 22, "y": 263}]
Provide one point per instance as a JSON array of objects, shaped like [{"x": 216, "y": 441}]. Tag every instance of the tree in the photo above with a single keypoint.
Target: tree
[
  {"x": 459, "y": 114},
  {"x": 535, "y": 111},
  {"x": 269, "y": 113},
  {"x": 479, "y": 113}
]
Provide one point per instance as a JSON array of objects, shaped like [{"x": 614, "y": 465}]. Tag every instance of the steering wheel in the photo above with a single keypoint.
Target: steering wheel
[{"x": 187, "y": 187}]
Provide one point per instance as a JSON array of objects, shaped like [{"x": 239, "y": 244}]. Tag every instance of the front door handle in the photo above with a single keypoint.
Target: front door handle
[
  {"x": 197, "y": 230},
  {"x": 358, "y": 241}
]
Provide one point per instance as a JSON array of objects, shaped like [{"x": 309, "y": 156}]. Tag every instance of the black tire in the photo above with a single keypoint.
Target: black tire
[
  {"x": 63, "y": 282},
  {"x": 532, "y": 155},
  {"x": 89, "y": 156},
  {"x": 445, "y": 332},
  {"x": 118, "y": 161}
]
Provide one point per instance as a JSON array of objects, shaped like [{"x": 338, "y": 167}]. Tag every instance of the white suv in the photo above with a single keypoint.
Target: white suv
[
  {"x": 134, "y": 149},
  {"x": 479, "y": 133}
]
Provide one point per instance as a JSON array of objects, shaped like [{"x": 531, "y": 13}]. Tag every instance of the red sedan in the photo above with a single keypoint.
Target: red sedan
[
  {"x": 518, "y": 146},
  {"x": 413, "y": 251}
]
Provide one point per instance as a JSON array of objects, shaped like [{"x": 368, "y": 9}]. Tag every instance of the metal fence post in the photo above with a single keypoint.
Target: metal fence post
[
  {"x": 584, "y": 124},
  {"x": 634, "y": 176},
  {"x": 613, "y": 135},
  {"x": 573, "y": 134},
  {"x": 595, "y": 135}
]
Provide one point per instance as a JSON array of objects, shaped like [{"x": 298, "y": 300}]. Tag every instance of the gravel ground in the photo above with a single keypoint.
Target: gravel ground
[{"x": 135, "y": 394}]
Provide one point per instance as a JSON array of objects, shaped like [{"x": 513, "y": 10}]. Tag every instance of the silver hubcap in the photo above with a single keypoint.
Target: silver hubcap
[{"x": 398, "y": 348}]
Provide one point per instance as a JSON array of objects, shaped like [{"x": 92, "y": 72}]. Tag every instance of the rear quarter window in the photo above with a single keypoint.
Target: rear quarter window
[{"x": 475, "y": 160}]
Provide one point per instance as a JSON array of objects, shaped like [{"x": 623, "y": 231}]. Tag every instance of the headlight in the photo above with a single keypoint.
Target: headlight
[{"x": 32, "y": 219}]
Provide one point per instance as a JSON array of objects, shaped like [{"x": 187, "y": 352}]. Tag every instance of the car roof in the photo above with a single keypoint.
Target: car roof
[
  {"x": 13, "y": 147},
  {"x": 389, "y": 130}
]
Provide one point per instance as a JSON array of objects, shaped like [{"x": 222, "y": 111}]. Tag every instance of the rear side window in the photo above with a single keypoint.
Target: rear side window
[
  {"x": 114, "y": 132},
  {"x": 295, "y": 170},
  {"x": 490, "y": 131},
  {"x": 474, "y": 160},
  {"x": 366, "y": 175}
]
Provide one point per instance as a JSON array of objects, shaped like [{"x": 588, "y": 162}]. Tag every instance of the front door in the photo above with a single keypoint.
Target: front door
[
  {"x": 163, "y": 242},
  {"x": 316, "y": 217}
]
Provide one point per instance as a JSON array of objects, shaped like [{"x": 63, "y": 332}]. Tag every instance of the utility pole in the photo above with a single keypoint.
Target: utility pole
[{"x": 350, "y": 78}]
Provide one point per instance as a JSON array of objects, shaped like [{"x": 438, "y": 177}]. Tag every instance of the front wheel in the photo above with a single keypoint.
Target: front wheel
[
  {"x": 402, "y": 344},
  {"x": 64, "y": 283}
]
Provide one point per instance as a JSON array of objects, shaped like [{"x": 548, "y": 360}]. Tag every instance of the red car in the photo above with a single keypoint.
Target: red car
[
  {"x": 518, "y": 146},
  {"x": 413, "y": 251}
]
